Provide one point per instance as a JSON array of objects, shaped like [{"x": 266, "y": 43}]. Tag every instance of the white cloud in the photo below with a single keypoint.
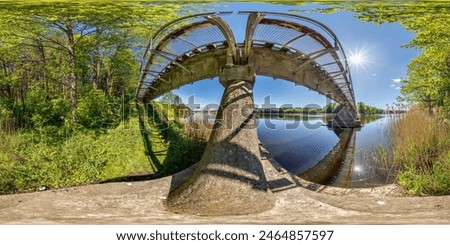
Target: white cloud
[
  {"x": 397, "y": 80},
  {"x": 393, "y": 85},
  {"x": 374, "y": 75},
  {"x": 397, "y": 88}
]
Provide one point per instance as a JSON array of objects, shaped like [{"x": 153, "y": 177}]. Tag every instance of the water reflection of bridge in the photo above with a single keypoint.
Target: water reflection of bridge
[
  {"x": 336, "y": 166},
  {"x": 355, "y": 161}
]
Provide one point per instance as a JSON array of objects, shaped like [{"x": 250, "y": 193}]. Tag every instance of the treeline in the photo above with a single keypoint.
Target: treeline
[
  {"x": 420, "y": 147},
  {"x": 329, "y": 108},
  {"x": 367, "y": 110},
  {"x": 72, "y": 63},
  {"x": 68, "y": 74},
  {"x": 296, "y": 110},
  {"x": 361, "y": 108}
]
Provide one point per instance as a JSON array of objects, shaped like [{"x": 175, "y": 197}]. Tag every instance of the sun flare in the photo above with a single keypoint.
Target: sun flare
[{"x": 358, "y": 58}]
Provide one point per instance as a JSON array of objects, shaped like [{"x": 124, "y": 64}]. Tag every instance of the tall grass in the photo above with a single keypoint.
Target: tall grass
[
  {"x": 422, "y": 153},
  {"x": 198, "y": 129},
  {"x": 49, "y": 158},
  {"x": 53, "y": 157}
]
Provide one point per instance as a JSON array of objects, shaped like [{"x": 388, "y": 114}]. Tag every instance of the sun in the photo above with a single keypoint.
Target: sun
[{"x": 358, "y": 58}]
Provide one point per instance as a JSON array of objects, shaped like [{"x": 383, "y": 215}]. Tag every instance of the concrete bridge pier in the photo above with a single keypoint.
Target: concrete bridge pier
[
  {"x": 346, "y": 117},
  {"x": 229, "y": 179}
]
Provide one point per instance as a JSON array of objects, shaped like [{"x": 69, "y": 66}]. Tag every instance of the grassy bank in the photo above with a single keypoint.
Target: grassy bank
[
  {"x": 53, "y": 157},
  {"x": 422, "y": 153}
]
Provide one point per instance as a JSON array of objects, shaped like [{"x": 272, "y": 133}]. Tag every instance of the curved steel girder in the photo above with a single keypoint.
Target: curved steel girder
[
  {"x": 267, "y": 62},
  {"x": 233, "y": 55},
  {"x": 179, "y": 32},
  {"x": 299, "y": 28},
  {"x": 229, "y": 36},
  {"x": 252, "y": 22}
]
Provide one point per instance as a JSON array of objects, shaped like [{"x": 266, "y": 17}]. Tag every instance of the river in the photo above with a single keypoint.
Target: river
[{"x": 347, "y": 158}]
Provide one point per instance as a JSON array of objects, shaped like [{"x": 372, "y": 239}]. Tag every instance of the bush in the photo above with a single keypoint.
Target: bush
[
  {"x": 95, "y": 110},
  {"x": 435, "y": 181}
]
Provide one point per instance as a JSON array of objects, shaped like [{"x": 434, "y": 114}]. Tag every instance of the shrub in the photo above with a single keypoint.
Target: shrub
[{"x": 95, "y": 110}]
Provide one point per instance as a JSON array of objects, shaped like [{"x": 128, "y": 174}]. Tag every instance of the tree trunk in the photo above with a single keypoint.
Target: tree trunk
[
  {"x": 72, "y": 74},
  {"x": 43, "y": 68},
  {"x": 96, "y": 66}
]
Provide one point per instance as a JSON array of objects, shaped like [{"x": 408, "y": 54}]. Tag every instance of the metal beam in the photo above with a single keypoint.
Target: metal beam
[
  {"x": 229, "y": 36},
  {"x": 239, "y": 53},
  {"x": 162, "y": 54},
  {"x": 186, "y": 41},
  {"x": 295, "y": 39},
  {"x": 252, "y": 22},
  {"x": 319, "y": 53},
  {"x": 330, "y": 78}
]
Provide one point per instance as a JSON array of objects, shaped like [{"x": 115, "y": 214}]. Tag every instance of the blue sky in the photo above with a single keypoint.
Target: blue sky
[{"x": 375, "y": 82}]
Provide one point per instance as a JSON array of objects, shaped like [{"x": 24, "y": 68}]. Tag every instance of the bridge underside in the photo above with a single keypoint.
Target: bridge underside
[{"x": 266, "y": 61}]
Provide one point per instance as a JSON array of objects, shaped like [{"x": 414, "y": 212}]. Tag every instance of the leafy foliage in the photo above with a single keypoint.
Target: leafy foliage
[
  {"x": 67, "y": 48},
  {"x": 95, "y": 111},
  {"x": 171, "y": 98},
  {"x": 367, "y": 110}
]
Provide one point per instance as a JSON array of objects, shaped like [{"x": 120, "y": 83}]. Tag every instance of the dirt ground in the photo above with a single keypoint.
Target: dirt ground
[{"x": 297, "y": 202}]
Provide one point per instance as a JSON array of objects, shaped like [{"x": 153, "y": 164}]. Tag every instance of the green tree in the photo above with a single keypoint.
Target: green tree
[
  {"x": 171, "y": 98},
  {"x": 61, "y": 46}
]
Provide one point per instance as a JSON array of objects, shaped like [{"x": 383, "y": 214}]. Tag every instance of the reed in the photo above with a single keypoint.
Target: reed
[
  {"x": 198, "y": 129},
  {"x": 422, "y": 153}
]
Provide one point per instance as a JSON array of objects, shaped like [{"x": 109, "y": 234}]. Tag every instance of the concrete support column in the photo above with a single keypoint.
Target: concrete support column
[
  {"x": 229, "y": 178},
  {"x": 345, "y": 117}
]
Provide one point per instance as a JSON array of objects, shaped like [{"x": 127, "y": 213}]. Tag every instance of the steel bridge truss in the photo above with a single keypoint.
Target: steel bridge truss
[{"x": 286, "y": 46}]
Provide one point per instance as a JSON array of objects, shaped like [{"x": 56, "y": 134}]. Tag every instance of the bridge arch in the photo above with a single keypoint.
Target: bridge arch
[
  {"x": 229, "y": 178},
  {"x": 286, "y": 46}
]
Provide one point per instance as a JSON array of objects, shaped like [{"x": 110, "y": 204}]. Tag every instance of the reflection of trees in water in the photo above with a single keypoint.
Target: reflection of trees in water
[
  {"x": 290, "y": 116},
  {"x": 344, "y": 165},
  {"x": 380, "y": 161},
  {"x": 365, "y": 119}
]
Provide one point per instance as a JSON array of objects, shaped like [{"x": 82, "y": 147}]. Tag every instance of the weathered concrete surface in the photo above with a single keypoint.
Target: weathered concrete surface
[
  {"x": 142, "y": 203},
  {"x": 229, "y": 178}
]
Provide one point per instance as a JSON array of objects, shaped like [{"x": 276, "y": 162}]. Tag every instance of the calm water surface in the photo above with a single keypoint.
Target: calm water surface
[{"x": 304, "y": 147}]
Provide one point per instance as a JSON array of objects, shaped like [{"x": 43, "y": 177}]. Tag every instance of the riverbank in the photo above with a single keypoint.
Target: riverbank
[
  {"x": 145, "y": 146},
  {"x": 297, "y": 202}
]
